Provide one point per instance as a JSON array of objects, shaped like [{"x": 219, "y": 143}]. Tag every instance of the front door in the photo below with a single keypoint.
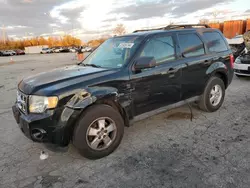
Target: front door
[{"x": 161, "y": 85}]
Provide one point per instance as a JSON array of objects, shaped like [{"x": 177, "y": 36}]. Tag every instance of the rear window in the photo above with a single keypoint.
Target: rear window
[
  {"x": 215, "y": 42},
  {"x": 191, "y": 45}
]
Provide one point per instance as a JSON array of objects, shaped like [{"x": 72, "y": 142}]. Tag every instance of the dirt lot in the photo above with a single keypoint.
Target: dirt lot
[{"x": 167, "y": 150}]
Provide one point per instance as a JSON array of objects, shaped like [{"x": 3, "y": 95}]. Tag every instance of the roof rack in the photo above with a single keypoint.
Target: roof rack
[
  {"x": 184, "y": 26},
  {"x": 142, "y": 30}
]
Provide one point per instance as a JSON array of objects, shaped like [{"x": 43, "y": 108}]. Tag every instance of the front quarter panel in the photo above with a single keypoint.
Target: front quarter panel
[{"x": 84, "y": 98}]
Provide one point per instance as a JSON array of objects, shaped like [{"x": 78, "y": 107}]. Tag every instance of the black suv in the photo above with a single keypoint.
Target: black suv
[{"x": 127, "y": 78}]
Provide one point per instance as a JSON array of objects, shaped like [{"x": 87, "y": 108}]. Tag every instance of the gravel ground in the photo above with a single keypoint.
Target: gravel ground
[{"x": 167, "y": 150}]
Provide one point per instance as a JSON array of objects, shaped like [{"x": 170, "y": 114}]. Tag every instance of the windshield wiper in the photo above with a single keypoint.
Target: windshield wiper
[{"x": 91, "y": 65}]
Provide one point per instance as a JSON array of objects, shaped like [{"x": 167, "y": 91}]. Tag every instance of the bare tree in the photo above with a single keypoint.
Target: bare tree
[
  {"x": 119, "y": 30},
  {"x": 204, "y": 21},
  {"x": 215, "y": 14},
  {"x": 171, "y": 22}
]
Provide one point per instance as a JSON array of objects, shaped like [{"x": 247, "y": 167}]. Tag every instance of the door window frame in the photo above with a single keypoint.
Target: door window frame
[
  {"x": 144, "y": 43},
  {"x": 222, "y": 38},
  {"x": 201, "y": 39}
]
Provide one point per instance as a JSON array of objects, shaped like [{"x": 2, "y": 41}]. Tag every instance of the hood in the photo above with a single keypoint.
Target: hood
[
  {"x": 236, "y": 40},
  {"x": 60, "y": 78}
]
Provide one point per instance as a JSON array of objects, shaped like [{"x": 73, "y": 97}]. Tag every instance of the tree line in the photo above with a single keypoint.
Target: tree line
[{"x": 66, "y": 40}]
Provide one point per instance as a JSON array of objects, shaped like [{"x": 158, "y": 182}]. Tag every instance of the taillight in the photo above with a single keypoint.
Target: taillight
[{"x": 232, "y": 61}]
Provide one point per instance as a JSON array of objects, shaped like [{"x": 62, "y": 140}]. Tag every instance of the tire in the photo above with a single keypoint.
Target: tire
[
  {"x": 205, "y": 104},
  {"x": 93, "y": 114}
]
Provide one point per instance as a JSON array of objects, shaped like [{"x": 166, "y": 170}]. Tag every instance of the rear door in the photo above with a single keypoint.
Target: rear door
[
  {"x": 161, "y": 85},
  {"x": 197, "y": 62}
]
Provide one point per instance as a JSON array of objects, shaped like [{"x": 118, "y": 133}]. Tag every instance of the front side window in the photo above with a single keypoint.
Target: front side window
[
  {"x": 161, "y": 48},
  {"x": 215, "y": 42},
  {"x": 191, "y": 45},
  {"x": 114, "y": 52}
]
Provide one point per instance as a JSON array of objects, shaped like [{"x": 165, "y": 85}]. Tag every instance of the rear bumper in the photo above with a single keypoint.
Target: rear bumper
[{"x": 54, "y": 126}]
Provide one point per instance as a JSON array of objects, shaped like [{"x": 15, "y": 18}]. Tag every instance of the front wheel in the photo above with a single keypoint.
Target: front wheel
[
  {"x": 98, "y": 132},
  {"x": 213, "y": 95}
]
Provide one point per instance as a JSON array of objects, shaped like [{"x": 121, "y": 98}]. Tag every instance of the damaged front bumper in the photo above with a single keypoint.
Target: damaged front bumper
[{"x": 53, "y": 126}]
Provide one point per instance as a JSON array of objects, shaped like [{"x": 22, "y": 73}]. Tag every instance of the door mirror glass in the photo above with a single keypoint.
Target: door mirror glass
[{"x": 144, "y": 63}]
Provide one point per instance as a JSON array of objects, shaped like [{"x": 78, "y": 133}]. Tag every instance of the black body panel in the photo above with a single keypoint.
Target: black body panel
[{"x": 131, "y": 92}]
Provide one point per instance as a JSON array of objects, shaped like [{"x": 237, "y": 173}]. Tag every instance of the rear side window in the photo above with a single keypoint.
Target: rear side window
[
  {"x": 191, "y": 45},
  {"x": 161, "y": 48},
  {"x": 215, "y": 42}
]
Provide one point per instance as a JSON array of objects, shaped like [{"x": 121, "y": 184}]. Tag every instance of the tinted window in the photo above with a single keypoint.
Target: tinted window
[
  {"x": 161, "y": 48},
  {"x": 215, "y": 42},
  {"x": 191, "y": 45}
]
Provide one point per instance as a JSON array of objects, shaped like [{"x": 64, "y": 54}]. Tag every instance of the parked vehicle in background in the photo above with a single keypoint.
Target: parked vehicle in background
[
  {"x": 88, "y": 49},
  {"x": 65, "y": 50},
  {"x": 12, "y": 52},
  {"x": 6, "y": 53},
  {"x": 83, "y": 50},
  {"x": 242, "y": 62},
  {"x": 237, "y": 45},
  {"x": 73, "y": 50},
  {"x": 126, "y": 79},
  {"x": 19, "y": 52},
  {"x": 46, "y": 51},
  {"x": 57, "y": 50}
]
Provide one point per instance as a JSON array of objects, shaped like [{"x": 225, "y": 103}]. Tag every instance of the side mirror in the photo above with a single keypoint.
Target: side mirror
[{"x": 144, "y": 63}]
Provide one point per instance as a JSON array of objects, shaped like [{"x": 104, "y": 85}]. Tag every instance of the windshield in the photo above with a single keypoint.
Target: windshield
[{"x": 114, "y": 52}]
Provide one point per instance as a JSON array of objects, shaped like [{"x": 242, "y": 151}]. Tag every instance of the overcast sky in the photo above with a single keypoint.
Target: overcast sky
[{"x": 87, "y": 19}]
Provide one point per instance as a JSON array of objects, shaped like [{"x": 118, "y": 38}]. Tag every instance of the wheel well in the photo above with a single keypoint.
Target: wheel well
[
  {"x": 117, "y": 107},
  {"x": 223, "y": 77},
  {"x": 111, "y": 103}
]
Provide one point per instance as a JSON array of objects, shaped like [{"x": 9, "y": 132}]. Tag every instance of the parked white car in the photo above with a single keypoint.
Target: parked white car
[
  {"x": 11, "y": 52},
  {"x": 72, "y": 50},
  {"x": 88, "y": 49},
  {"x": 46, "y": 51},
  {"x": 57, "y": 50},
  {"x": 242, "y": 64}
]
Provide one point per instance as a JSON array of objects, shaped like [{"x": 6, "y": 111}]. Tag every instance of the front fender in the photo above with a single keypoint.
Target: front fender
[{"x": 84, "y": 98}]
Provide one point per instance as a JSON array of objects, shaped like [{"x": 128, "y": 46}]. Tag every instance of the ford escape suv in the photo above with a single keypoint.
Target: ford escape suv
[{"x": 126, "y": 79}]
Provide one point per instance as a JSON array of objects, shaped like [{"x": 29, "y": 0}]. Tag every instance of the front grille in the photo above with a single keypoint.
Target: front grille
[
  {"x": 22, "y": 101},
  {"x": 245, "y": 59},
  {"x": 245, "y": 62},
  {"x": 242, "y": 71}
]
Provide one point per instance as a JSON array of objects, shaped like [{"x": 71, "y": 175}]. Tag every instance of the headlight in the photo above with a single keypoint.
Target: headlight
[
  {"x": 38, "y": 104},
  {"x": 237, "y": 60}
]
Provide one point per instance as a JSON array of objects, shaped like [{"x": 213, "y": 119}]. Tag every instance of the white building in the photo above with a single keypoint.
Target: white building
[{"x": 35, "y": 49}]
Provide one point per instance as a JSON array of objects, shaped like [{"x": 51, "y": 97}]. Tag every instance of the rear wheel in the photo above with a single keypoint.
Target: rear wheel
[
  {"x": 98, "y": 132},
  {"x": 213, "y": 95}
]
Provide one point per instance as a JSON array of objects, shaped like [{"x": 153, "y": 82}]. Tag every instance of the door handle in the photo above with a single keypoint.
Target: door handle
[{"x": 172, "y": 70}]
